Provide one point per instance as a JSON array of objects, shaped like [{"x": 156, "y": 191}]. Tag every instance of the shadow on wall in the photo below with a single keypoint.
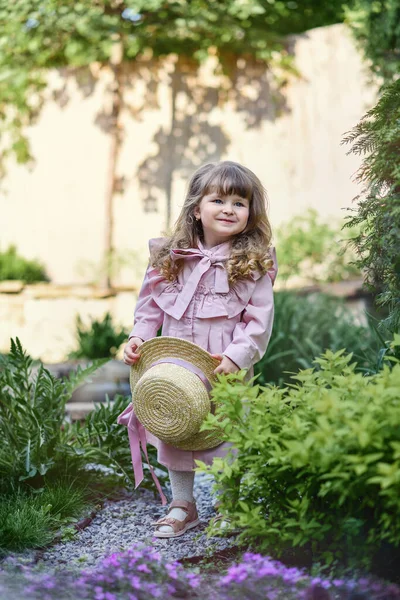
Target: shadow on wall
[
  {"x": 192, "y": 135},
  {"x": 192, "y": 138}
]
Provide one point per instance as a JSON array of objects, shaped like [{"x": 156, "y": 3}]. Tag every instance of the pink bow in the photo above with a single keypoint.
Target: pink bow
[{"x": 207, "y": 260}]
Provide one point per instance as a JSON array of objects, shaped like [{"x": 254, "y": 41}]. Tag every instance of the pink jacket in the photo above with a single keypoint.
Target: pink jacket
[{"x": 201, "y": 306}]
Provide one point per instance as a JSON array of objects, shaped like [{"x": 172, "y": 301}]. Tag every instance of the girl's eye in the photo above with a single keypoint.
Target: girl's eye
[{"x": 218, "y": 200}]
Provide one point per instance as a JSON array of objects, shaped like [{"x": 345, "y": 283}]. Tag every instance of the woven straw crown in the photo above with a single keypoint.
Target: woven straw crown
[{"x": 168, "y": 398}]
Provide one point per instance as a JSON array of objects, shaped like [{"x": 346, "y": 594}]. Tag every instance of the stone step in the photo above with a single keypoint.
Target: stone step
[
  {"x": 113, "y": 370},
  {"x": 97, "y": 391},
  {"x": 110, "y": 379},
  {"x": 77, "y": 411}
]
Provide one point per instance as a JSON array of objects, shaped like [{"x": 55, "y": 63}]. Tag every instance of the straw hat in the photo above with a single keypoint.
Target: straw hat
[{"x": 171, "y": 400}]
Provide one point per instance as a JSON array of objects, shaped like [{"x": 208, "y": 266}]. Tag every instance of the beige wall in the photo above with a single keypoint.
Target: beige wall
[
  {"x": 176, "y": 119},
  {"x": 43, "y": 316}
]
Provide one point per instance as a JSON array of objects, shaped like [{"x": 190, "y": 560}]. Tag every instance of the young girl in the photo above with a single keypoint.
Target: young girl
[{"x": 209, "y": 283}]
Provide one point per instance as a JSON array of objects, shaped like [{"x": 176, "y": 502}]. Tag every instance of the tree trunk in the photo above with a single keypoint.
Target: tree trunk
[
  {"x": 175, "y": 82},
  {"x": 115, "y": 147}
]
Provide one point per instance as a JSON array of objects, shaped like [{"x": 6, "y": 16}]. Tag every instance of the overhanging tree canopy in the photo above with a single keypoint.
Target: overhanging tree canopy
[{"x": 39, "y": 34}]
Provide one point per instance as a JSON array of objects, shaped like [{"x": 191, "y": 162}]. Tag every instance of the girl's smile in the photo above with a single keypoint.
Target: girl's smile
[{"x": 222, "y": 217}]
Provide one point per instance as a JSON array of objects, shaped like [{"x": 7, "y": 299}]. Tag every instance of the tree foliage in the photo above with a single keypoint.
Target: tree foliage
[
  {"x": 378, "y": 213},
  {"x": 376, "y": 27},
  {"x": 39, "y": 34}
]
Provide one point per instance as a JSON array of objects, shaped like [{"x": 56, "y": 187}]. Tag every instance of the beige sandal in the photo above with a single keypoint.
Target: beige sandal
[{"x": 178, "y": 527}]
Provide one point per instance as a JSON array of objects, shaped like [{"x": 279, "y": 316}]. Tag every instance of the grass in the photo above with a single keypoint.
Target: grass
[
  {"x": 23, "y": 524},
  {"x": 31, "y": 518}
]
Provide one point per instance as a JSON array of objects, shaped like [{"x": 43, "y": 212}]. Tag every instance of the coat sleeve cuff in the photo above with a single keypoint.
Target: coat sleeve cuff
[{"x": 241, "y": 356}]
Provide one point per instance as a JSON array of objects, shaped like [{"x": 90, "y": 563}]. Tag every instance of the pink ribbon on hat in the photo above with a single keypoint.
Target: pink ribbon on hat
[
  {"x": 137, "y": 439},
  {"x": 188, "y": 365},
  {"x": 137, "y": 432}
]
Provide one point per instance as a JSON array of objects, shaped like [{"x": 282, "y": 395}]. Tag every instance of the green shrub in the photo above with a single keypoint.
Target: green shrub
[
  {"x": 101, "y": 440},
  {"x": 13, "y": 266},
  {"x": 32, "y": 408},
  {"x": 38, "y": 444},
  {"x": 318, "y": 462},
  {"x": 51, "y": 470},
  {"x": 377, "y": 216},
  {"x": 100, "y": 340},
  {"x": 305, "y": 326},
  {"x": 314, "y": 250}
]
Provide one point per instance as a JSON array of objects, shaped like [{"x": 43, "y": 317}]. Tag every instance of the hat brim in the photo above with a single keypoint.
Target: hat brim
[{"x": 161, "y": 347}]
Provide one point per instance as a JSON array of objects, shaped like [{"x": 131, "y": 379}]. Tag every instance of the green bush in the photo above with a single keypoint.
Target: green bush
[
  {"x": 50, "y": 469},
  {"x": 38, "y": 444},
  {"x": 101, "y": 440},
  {"x": 318, "y": 462},
  {"x": 314, "y": 250},
  {"x": 306, "y": 326},
  {"x": 377, "y": 216},
  {"x": 32, "y": 409},
  {"x": 13, "y": 266},
  {"x": 100, "y": 340}
]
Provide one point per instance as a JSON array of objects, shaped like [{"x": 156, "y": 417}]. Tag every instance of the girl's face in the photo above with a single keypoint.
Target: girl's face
[{"x": 222, "y": 217}]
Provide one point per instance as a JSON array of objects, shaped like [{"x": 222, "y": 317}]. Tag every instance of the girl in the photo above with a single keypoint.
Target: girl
[{"x": 210, "y": 282}]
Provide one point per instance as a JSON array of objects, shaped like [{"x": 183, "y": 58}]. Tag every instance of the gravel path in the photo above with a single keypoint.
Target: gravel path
[{"x": 121, "y": 523}]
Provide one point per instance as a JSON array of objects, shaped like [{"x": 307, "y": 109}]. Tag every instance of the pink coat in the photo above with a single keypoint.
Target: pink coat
[{"x": 203, "y": 308}]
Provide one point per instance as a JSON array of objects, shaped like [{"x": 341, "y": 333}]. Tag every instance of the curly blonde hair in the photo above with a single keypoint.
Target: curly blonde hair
[{"x": 250, "y": 248}]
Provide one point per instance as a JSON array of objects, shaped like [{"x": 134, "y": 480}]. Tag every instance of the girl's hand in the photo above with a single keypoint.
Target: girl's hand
[
  {"x": 130, "y": 355},
  {"x": 226, "y": 365}
]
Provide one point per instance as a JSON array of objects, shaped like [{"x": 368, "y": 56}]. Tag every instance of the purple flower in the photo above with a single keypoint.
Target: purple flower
[
  {"x": 171, "y": 589},
  {"x": 135, "y": 582},
  {"x": 153, "y": 589},
  {"x": 172, "y": 570},
  {"x": 194, "y": 580},
  {"x": 376, "y": 587},
  {"x": 144, "y": 568}
]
